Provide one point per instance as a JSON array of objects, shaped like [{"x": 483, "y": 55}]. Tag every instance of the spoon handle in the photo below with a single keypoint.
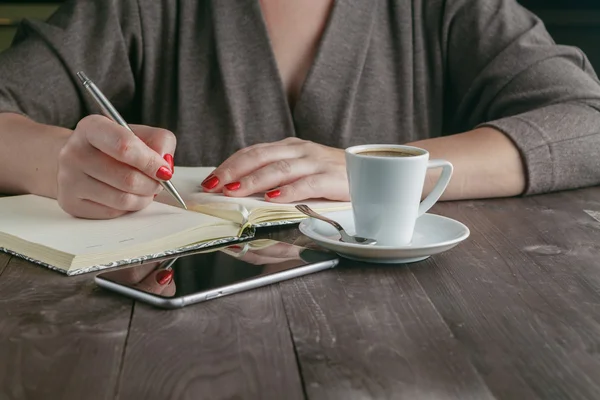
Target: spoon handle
[{"x": 304, "y": 209}]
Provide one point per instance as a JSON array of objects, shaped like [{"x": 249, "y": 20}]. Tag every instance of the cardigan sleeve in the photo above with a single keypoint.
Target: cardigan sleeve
[
  {"x": 100, "y": 37},
  {"x": 504, "y": 71}
]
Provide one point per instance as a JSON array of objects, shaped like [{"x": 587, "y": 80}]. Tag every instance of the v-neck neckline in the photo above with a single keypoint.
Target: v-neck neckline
[
  {"x": 313, "y": 65},
  {"x": 249, "y": 66}
]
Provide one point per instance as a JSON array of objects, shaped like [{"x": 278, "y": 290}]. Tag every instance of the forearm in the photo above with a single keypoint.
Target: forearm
[
  {"x": 29, "y": 155},
  {"x": 486, "y": 164}
]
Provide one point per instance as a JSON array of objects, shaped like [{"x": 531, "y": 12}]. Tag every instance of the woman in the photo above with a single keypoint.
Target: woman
[{"x": 284, "y": 86}]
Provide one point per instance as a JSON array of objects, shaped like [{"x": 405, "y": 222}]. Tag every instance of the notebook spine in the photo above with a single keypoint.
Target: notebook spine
[
  {"x": 213, "y": 243},
  {"x": 32, "y": 260},
  {"x": 279, "y": 223}
]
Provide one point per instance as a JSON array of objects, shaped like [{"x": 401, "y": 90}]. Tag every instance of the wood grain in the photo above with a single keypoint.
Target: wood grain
[
  {"x": 60, "y": 338},
  {"x": 4, "y": 259},
  {"x": 235, "y": 347},
  {"x": 521, "y": 295},
  {"x": 512, "y": 313},
  {"x": 371, "y": 332}
]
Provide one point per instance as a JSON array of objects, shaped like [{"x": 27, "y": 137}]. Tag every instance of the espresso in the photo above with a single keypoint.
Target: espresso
[{"x": 387, "y": 153}]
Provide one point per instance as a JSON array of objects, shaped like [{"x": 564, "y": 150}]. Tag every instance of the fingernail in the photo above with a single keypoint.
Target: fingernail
[
  {"x": 169, "y": 158},
  {"x": 233, "y": 186},
  {"x": 164, "y": 277},
  {"x": 155, "y": 195},
  {"x": 211, "y": 183},
  {"x": 274, "y": 193},
  {"x": 164, "y": 174},
  {"x": 235, "y": 247},
  {"x": 207, "y": 178}
]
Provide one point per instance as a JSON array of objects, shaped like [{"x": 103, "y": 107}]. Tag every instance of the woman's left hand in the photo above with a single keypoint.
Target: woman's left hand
[{"x": 288, "y": 171}]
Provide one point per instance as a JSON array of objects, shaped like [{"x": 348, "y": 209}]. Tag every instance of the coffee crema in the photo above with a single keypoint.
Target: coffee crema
[{"x": 387, "y": 153}]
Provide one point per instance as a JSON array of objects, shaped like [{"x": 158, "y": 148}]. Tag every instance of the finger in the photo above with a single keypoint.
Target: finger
[
  {"x": 232, "y": 159},
  {"x": 124, "y": 146},
  {"x": 157, "y": 282},
  {"x": 256, "y": 146},
  {"x": 67, "y": 182},
  {"x": 169, "y": 290},
  {"x": 328, "y": 186},
  {"x": 277, "y": 253},
  {"x": 256, "y": 259},
  {"x": 91, "y": 189},
  {"x": 89, "y": 210},
  {"x": 276, "y": 174},
  {"x": 241, "y": 164},
  {"x": 280, "y": 251},
  {"x": 130, "y": 276},
  {"x": 286, "y": 141},
  {"x": 120, "y": 176},
  {"x": 307, "y": 243},
  {"x": 161, "y": 141}
]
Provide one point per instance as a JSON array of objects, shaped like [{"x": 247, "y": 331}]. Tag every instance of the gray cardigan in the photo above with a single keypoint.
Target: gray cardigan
[{"x": 387, "y": 71}]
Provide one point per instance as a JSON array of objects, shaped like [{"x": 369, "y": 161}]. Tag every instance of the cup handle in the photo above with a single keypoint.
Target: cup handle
[{"x": 439, "y": 187}]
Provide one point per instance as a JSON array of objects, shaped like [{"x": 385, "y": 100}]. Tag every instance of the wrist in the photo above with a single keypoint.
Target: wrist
[
  {"x": 44, "y": 176},
  {"x": 29, "y": 157},
  {"x": 486, "y": 164}
]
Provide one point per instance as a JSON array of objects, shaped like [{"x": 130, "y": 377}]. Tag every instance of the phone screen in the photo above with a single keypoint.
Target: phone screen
[{"x": 212, "y": 269}]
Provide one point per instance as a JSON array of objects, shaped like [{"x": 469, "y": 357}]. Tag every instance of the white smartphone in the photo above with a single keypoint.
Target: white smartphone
[{"x": 199, "y": 276}]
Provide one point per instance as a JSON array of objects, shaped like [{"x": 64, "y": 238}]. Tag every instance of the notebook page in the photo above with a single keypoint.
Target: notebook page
[
  {"x": 188, "y": 180},
  {"x": 41, "y": 220}
]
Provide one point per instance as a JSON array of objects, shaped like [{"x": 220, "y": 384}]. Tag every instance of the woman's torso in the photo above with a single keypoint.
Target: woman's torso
[{"x": 210, "y": 74}]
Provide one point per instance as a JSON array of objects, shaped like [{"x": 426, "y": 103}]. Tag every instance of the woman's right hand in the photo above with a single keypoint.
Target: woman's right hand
[
  {"x": 149, "y": 278},
  {"x": 105, "y": 171}
]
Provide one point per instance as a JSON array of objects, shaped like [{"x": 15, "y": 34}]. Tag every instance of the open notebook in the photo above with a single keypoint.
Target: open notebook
[{"x": 37, "y": 229}]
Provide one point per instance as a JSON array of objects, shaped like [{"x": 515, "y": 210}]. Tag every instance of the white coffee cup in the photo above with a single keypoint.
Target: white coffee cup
[{"x": 386, "y": 190}]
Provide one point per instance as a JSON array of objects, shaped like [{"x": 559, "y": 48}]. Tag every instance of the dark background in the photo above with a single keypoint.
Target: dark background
[{"x": 528, "y": 3}]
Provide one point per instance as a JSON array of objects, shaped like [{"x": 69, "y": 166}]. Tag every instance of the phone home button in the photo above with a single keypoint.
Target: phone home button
[{"x": 214, "y": 295}]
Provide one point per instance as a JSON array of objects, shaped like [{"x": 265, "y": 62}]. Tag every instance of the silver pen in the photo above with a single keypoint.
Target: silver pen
[{"x": 110, "y": 112}]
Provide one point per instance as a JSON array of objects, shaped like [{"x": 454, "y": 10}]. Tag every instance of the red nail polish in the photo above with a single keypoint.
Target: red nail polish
[
  {"x": 164, "y": 173},
  {"x": 155, "y": 195},
  {"x": 206, "y": 179},
  {"x": 233, "y": 186},
  {"x": 164, "y": 277},
  {"x": 274, "y": 193},
  {"x": 169, "y": 158},
  {"x": 211, "y": 183},
  {"x": 235, "y": 247}
]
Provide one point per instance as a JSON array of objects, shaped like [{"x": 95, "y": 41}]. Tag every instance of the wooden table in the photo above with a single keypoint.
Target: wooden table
[{"x": 512, "y": 313}]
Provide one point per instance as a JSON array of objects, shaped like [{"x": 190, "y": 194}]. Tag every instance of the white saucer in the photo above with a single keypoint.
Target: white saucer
[{"x": 433, "y": 234}]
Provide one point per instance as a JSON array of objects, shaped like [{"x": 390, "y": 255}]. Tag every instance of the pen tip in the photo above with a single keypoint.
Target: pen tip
[{"x": 83, "y": 77}]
